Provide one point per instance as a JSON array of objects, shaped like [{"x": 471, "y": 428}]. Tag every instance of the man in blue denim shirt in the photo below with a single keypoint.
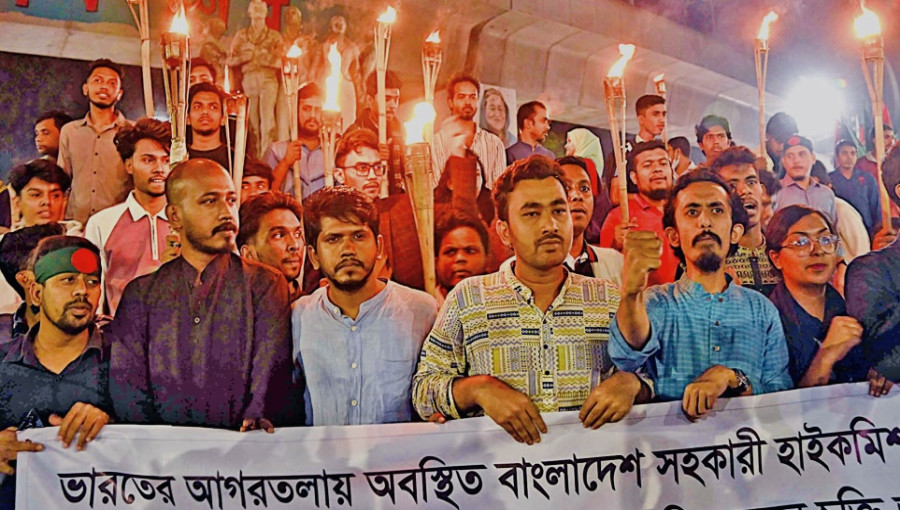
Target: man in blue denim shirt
[{"x": 702, "y": 337}]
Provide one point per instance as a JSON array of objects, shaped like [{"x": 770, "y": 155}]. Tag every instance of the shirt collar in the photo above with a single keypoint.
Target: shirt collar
[
  {"x": 692, "y": 288},
  {"x": 364, "y": 307},
  {"x": 509, "y": 276},
  {"x": 20, "y": 321},
  {"x": 639, "y": 200},
  {"x": 24, "y": 351},
  {"x": 120, "y": 121},
  {"x": 138, "y": 212}
]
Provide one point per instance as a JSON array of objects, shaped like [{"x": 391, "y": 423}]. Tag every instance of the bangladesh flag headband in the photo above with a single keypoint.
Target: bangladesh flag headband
[{"x": 71, "y": 259}]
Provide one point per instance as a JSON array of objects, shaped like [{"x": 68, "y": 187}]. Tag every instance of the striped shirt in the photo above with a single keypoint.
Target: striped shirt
[
  {"x": 753, "y": 269},
  {"x": 691, "y": 330},
  {"x": 490, "y": 325},
  {"x": 487, "y": 146},
  {"x": 312, "y": 168}
]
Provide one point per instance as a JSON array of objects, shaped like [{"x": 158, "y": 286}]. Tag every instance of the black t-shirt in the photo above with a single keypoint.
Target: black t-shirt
[{"x": 219, "y": 155}]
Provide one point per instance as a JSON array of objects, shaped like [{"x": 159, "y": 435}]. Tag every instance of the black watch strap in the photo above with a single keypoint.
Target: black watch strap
[{"x": 743, "y": 384}]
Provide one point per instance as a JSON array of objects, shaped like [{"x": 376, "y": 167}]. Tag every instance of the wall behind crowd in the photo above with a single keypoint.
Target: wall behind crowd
[{"x": 33, "y": 84}]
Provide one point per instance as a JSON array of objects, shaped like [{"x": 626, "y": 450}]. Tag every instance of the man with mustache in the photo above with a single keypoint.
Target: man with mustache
[
  {"x": 461, "y": 244},
  {"x": 798, "y": 186},
  {"x": 505, "y": 343},
  {"x": 534, "y": 124},
  {"x": 357, "y": 339},
  {"x": 205, "y": 339},
  {"x": 132, "y": 235},
  {"x": 649, "y": 170},
  {"x": 749, "y": 265},
  {"x": 86, "y": 149},
  {"x": 281, "y": 156},
  {"x": 713, "y": 136},
  {"x": 272, "y": 233},
  {"x": 57, "y": 373},
  {"x": 703, "y": 337},
  {"x": 205, "y": 118}
]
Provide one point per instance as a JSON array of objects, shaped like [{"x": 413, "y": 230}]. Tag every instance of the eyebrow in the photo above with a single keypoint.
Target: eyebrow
[{"x": 807, "y": 233}]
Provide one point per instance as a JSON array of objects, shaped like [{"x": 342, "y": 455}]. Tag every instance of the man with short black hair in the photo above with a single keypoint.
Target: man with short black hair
[
  {"x": 533, "y": 123},
  {"x": 46, "y": 133},
  {"x": 86, "y": 149},
  {"x": 257, "y": 179},
  {"x": 281, "y": 156},
  {"x": 41, "y": 194},
  {"x": 271, "y": 233},
  {"x": 714, "y": 136},
  {"x": 461, "y": 248},
  {"x": 651, "y": 117},
  {"x": 779, "y": 128},
  {"x": 205, "y": 118},
  {"x": 702, "y": 337},
  {"x": 201, "y": 72},
  {"x": 798, "y": 187},
  {"x": 858, "y": 188},
  {"x": 679, "y": 150}
]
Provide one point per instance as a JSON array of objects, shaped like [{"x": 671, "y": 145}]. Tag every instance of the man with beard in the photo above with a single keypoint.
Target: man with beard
[
  {"x": 533, "y": 124},
  {"x": 749, "y": 265},
  {"x": 132, "y": 235},
  {"x": 57, "y": 374},
  {"x": 272, "y": 233},
  {"x": 702, "y": 337},
  {"x": 86, "y": 149},
  {"x": 798, "y": 186},
  {"x": 357, "y": 339},
  {"x": 713, "y": 136},
  {"x": 648, "y": 168},
  {"x": 205, "y": 118},
  {"x": 858, "y": 188},
  {"x": 462, "y": 98},
  {"x": 461, "y": 247},
  {"x": 532, "y": 337},
  {"x": 281, "y": 156},
  {"x": 205, "y": 339}
]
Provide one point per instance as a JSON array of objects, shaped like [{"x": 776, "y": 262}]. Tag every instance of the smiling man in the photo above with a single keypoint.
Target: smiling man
[
  {"x": 272, "y": 233},
  {"x": 205, "y": 339},
  {"x": 131, "y": 235}
]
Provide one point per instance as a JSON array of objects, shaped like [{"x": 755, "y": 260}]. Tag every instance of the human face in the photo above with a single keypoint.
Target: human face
[
  {"x": 150, "y": 167},
  {"x": 460, "y": 255},
  {"x": 846, "y": 157},
  {"x": 774, "y": 146},
  {"x": 103, "y": 88},
  {"x": 539, "y": 124},
  {"x": 205, "y": 114},
  {"x": 540, "y": 226},
  {"x": 41, "y": 202},
  {"x": 338, "y": 24},
  {"x": 570, "y": 146},
  {"x": 767, "y": 210},
  {"x": 744, "y": 181},
  {"x": 703, "y": 227},
  {"x": 653, "y": 119},
  {"x": 365, "y": 159},
  {"x": 46, "y": 137},
  {"x": 253, "y": 185},
  {"x": 392, "y": 103},
  {"x": 581, "y": 198},
  {"x": 464, "y": 100},
  {"x": 798, "y": 162},
  {"x": 495, "y": 113},
  {"x": 200, "y": 74},
  {"x": 888, "y": 139},
  {"x": 652, "y": 174},
  {"x": 68, "y": 300},
  {"x": 279, "y": 242},
  {"x": 809, "y": 265},
  {"x": 346, "y": 253},
  {"x": 207, "y": 212},
  {"x": 714, "y": 142},
  {"x": 309, "y": 116}
]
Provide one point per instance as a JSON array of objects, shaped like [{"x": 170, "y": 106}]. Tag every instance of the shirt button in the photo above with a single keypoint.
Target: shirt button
[
  {"x": 353, "y": 402},
  {"x": 717, "y": 323},
  {"x": 353, "y": 365},
  {"x": 721, "y": 299},
  {"x": 196, "y": 320},
  {"x": 546, "y": 372},
  {"x": 352, "y": 328},
  {"x": 717, "y": 348},
  {"x": 546, "y": 346}
]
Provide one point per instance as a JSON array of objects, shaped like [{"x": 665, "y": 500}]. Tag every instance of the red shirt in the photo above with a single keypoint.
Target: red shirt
[{"x": 648, "y": 218}]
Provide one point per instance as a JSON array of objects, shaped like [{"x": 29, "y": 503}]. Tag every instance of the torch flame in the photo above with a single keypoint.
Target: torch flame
[
  {"x": 434, "y": 37},
  {"x": 333, "y": 81},
  {"x": 294, "y": 52},
  {"x": 423, "y": 116},
  {"x": 867, "y": 25},
  {"x": 389, "y": 16},
  {"x": 659, "y": 77},
  {"x": 764, "y": 28},
  {"x": 626, "y": 51},
  {"x": 227, "y": 81},
  {"x": 179, "y": 23}
]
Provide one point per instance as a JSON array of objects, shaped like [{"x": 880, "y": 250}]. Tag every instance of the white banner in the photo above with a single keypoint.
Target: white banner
[{"x": 823, "y": 448}]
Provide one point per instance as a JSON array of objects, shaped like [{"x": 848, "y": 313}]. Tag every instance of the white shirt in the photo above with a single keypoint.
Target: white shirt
[{"x": 487, "y": 146}]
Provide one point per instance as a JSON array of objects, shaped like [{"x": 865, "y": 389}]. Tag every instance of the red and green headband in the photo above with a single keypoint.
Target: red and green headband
[{"x": 71, "y": 259}]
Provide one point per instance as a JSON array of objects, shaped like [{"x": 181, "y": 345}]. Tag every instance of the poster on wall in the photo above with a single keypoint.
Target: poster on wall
[{"x": 497, "y": 112}]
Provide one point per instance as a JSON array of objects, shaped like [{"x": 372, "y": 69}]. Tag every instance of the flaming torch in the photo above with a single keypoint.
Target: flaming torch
[
  {"x": 614, "y": 89},
  {"x": 290, "y": 77},
  {"x": 659, "y": 82},
  {"x": 418, "y": 176},
  {"x": 868, "y": 29},
  {"x": 176, "y": 69},
  {"x": 431, "y": 66},
  {"x": 236, "y": 105},
  {"x": 761, "y": 56},
  {"x": 331, "y": 114},
  {"x": 382, "y": 49},
  {"x": 142, "y": 20}
]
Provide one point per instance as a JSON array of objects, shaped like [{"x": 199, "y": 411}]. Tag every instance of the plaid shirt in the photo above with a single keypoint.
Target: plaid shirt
[{"x": 490, "y": 325}]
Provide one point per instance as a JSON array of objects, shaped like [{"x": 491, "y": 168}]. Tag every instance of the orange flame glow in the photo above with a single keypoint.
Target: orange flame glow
[
  {"x": 659, "y": 77},
  {"x": 423, "y": 116},
  {"x": 389, "y": 16},
  {"x": 294, "y": 52},
  {"x": 618, "y": 69},
  {"x": 227, "y": 81},
  {"x": 770, "y": 18},
  {"x": 434, "y": 37},
  {"x": 333, "y": 81},
  {"x": 867, "y": 25},
  {"x": 179, "y": 23}
]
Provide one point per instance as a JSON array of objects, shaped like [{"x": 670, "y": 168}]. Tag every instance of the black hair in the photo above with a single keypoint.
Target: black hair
[
  {"x": 16, "y": 248},
  {"x": 205, "y": 87},
  {"x": 534, "y": 167},
  {"x": 202, "y": 62},
  {"x": 127, "y": 137},
  {"x": 253, "y": 210},
  {"x": 527, "y": 111},
  {"x": 781, "y": 223},
  {"x": 60, "y": 119},
  {"x": 454, "y": 219},
  {"x": 458, "y": 78},
  {"x": 256, "y": 168},
  {"x": 42, "y": 169},
  {"x": 737, "y": 155},
  {"x": 647, "y": 101},
  {"x": 708, "y": 122},
  {"x": 108, "y": 64},
  {"x": 342, "y": 203},
  {"x": 682, "y": 144},
  {"x": 391, "y": 81}
]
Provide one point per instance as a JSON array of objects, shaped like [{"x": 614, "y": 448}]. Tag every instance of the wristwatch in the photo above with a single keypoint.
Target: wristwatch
[{"x": 743, "y": 383}]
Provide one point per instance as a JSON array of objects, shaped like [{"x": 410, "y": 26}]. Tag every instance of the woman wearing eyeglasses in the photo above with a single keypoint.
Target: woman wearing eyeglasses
[{"x": 823, "y": 342}]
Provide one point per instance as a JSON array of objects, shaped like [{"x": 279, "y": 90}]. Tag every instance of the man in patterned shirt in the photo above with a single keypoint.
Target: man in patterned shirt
[
  {"x": 749, "y": 265},
  {"x": 532, "y": 337},
  {"x": 702, "y": 337}
]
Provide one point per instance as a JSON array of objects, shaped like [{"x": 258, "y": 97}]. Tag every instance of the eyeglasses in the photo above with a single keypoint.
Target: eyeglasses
[
  {"x": 363, "y": 169},
  {"x": 804, "y": 244}
]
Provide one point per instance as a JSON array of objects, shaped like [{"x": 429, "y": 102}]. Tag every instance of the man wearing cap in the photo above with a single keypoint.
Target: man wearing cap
[
  {"x": 57, "y": 374},
  {"x": 205, "y": 339},
  {"x": 779, "y": 128},
  {"x": 798, "y": 187}
]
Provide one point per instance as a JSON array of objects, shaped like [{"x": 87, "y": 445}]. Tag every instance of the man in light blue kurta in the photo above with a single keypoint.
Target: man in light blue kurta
[{"x": 357, "y": 340}]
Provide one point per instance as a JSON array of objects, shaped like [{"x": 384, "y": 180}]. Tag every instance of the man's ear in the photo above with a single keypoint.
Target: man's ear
[
  {"x": 737, "y": 231},
  {"x": 379, "y": 243},
  {"x": 35, "y": 293},
  {"x": 84, "y": 89},
  {"x": 25, "y": 279},
  {"x": 249, "y": 252},
  {"x": 313, "y": 257},
  {"x": 129, "y": 165},
  {"x": 776, "y": 259},
  {"x": 502, "y": 228},
  {"x": 673, "y": 237},
  {"x": 339, "y": 175},
  {"x": 174, "y": 217},
  {"x": 633, "y": 176}
]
